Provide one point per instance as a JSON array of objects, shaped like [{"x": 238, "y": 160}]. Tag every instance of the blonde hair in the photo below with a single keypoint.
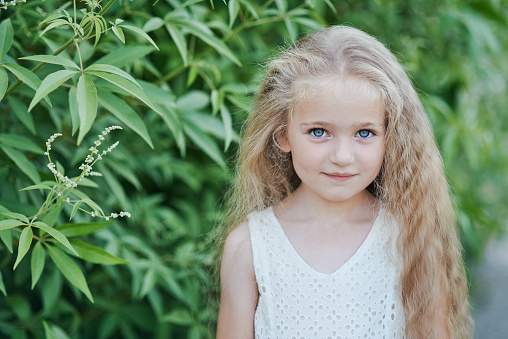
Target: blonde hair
[{"x": 411, "y": 183}]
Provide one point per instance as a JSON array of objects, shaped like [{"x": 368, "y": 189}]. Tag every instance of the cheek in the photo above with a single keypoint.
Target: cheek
[{"x": 373, "y": 158}]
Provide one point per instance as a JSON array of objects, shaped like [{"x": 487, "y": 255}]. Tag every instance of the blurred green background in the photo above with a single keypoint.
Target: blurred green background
[{"x": 202, "y": 79}]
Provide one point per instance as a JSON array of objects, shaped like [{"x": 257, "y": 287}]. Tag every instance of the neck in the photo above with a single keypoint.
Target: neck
[{"x": 304, "y": 205}]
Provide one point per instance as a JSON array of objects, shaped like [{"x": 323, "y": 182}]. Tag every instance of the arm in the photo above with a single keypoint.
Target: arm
[{"x": 239, "y": 294}]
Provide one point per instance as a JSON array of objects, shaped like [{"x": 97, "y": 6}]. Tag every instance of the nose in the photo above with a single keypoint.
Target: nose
[{"x": 342, "y": 152}]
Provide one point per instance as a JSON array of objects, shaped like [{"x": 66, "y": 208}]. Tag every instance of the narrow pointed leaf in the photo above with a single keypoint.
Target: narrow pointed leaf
[
  {"x": 20, "y": 142},
  {"x": 78, "y": 229},
  {"x": 125, "y": 114},
  {"x": 21, "y": 111},
  {"x": 48, "y": 331},
  {"x": 54, "y": 24},
  {"x": 23, "y": 163},
  {"x": 4, "y": 82},
  {"x": 114, "y": 70},
  {"x": 75, "y": 209},
  {"x": 126, "y": 86},
  {"x": 17, "y": 216},
  {"x": 87, "y": 105},
  {"x": 179, "y": 40},
  {"x": 95, "y": 254},
  {"x": 93, "y": 205},
  {"x": 228, "y": 125},
  {"x": 57, "y": 235},
  {"x": 233, "y": 8},
  {"x": 6, "y": 236},
  {"x": 6, "y": 37},
  {"x": 53, "y": 59},
  {"x": 73, "y": 107},
  {"x": 25, "y": 240},
  {"x": 204, "y": 142},
  {"x": 70, "y": 270},
  {"x": 2, "y": 285},
  {"x": 141, "y": 33},
  {"x": 125, "y": 55},
  {"x": 119, "y": 33},
  {"x": 37, "y": 262},
  {"x": 36, "y": 187},
  {"x": 8, "y": 224},
  {"x": 49, "y": 84},
  {"x": 26, "y": 76}
]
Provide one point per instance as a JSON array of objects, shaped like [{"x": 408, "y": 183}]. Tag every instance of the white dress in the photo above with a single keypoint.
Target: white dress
[{"x": 361, "y": 299}]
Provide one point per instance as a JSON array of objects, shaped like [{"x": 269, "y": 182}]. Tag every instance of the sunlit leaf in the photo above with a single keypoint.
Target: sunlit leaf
[
  {"x": 73, "y": 108},
  {"x": 57, "y": 235},
  {"x": 49, "y": 84},
  {"x": 26, "y": 76},
  {"x": 3, "y": 82},
  {"x": 17, "y": 216},
  {"x": 53, "y": 59},
  {"x": 70, "y": 270},
  {"x": 180, "y": 42},
  {"x": 177, "y": 316},
  {"x": 86, "y": 98},
  {"x": 119, "y": 33},
  {"x": 6, "y": 37},
  {"x": 2, "y": 285},
  {"x": 6, "y": 236},
  {"x": 228, "y": 125},
  {"x": 141, "y": 33},
  {"x": 125, "y": 114},
  {"x": 112, "y": 69},
  {"x": 37, "y": 262},
  {"x": 8, "y": 224},
  {"x": 25, "y": 240}
]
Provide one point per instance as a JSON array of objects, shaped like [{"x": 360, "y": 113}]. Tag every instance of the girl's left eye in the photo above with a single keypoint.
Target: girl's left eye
[{"x": 364, "y": 133}]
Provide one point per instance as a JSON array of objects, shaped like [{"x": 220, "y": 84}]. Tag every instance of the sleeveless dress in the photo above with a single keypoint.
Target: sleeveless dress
[{"x": 362, "y": 299}]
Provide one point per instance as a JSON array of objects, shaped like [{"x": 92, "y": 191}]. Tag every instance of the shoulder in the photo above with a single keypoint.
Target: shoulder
[{"x": 238, "y": 241}]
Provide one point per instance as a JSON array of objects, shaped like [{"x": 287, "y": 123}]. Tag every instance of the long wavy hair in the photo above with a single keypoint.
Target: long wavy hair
[{"x": 411, "y": 183}]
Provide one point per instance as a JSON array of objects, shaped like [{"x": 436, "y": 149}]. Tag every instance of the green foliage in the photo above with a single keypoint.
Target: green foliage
[{"x": 179, "y": 77}]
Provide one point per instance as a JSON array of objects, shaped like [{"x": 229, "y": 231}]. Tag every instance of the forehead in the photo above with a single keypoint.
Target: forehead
[{"x": 306, "y": 88}]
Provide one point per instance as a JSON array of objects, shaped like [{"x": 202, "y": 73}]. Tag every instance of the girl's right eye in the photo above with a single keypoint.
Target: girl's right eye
[{"x": 317, "y": 132}]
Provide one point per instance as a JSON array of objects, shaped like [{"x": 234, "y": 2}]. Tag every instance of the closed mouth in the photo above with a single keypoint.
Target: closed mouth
[{"x": 340, "y": 176}]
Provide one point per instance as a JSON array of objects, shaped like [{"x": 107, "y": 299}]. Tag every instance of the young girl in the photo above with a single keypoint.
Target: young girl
[{"x": 341, "y": 223}]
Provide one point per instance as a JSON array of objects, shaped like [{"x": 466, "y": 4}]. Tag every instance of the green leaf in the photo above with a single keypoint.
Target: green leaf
[
  {"x": 75, "y": 209},
  {"x": 127, "y": 86},
  {"x": 228, "y": 125},
  {"x": 48, "y": 331},
  {"x": 21, "y": 111},
  {"x": 17, "y": 216},
  {"x": 25, "y": 240},
  {"x": 178, "y": 317},
  {"x": 204, "y": 33},
  {"x": 37, "y": 262},
  {"x": 6, "y": 236},
  {"x": 95, "y": 254},
  {"x": 125, "y": 55},
  {"x": 6, "y": 37},
  {"x": 2, "y": 285},
  {"x": 23, "y": 163},
  {"x": 233, "y": 8},
  {"x": 119, "y": 33},
  {"x": 73, "y": 107},
  {"x": 53, "y": 59},
  {"x": 49, "y": 84},
  {"x": 153, "y": 24},
  {"x": 36, "y": 187},
  {"x": 141, "y": 33},
  {"x": 20, "y": 142},
  {"x": 54, "y": 24},
  {"x": 4, "y": 82},
  {"x": 114, "y": 70},
  {"x": 26, "y": 76},
  {"x": 180, "y": 42},
  {"x": 93, "y": 205},
  {"x": 87, "y": 105},
  {"x": 125, "y": 114},
  {"x": 57, "y": 235},
  {"x": 78, "y": 229},
  {"x": 70, "y": 270},
  {"x": 8, "y": 224},
  {"x": 203, "y": 141}
]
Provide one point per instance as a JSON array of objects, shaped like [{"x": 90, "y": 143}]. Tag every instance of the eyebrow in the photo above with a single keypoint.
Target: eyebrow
[{"x": 359, "y": 125}]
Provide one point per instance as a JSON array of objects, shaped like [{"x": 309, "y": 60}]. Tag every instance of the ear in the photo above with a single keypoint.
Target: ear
[{"x": 282, "y": 141}]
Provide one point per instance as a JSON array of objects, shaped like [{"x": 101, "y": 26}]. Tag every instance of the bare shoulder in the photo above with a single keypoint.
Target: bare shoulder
[{"x": 238, "y": 286}]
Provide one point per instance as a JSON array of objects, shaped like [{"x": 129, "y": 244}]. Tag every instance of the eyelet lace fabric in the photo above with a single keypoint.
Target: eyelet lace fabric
[{"x": 359, "y": 300}]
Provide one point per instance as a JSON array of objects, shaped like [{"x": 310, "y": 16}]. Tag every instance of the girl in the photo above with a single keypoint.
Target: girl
[{"x": 344, "y": 223}]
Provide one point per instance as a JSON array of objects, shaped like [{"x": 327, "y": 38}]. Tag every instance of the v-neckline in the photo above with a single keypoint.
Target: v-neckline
[{"x": 363, "y": 247}]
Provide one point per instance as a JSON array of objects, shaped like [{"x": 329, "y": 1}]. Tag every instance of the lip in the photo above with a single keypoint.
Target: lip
[{"x": 340, "y": 176}]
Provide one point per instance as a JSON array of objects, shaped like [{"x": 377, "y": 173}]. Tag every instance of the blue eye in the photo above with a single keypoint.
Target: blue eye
[
  {"x": 317, "y": 132},
  {"x": 364, "y": 133}
]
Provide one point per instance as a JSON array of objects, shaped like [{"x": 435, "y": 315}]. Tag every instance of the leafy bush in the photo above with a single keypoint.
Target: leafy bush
[{"x": 178, "y": 76}]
